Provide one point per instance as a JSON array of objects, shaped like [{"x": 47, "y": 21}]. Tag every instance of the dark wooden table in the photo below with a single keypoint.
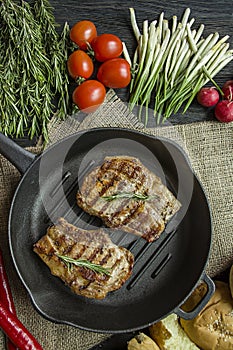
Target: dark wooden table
[{"x": 113, "y": 17}]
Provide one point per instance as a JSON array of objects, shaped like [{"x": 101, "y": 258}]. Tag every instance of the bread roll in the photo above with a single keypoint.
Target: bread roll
[
  {"x": 169, "y": 335},
  {"x": 142, "y": 342},
  {"x": 212, "y": 329},
  {"x": 231, "y": 280}
]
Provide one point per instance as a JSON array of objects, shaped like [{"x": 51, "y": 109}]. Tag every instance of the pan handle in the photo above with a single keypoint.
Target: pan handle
[
  {"x": 16, "y": 154},
  {"x": 193, "y": 313}
]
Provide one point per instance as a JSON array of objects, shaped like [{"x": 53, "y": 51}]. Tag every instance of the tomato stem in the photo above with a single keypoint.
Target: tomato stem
[{"x": 79, "y": 80}]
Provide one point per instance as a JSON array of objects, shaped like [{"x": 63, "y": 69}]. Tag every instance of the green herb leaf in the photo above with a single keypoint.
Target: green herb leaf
[{"x": 85, "y": 263}]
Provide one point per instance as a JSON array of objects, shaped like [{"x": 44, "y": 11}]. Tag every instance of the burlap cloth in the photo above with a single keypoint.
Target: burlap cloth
[{"x": 209, "y": 146}]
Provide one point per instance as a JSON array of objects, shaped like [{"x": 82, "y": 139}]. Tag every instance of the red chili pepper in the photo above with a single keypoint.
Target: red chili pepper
[
  {"x": 6, "y": 297},
  {"x": 5, "y": 292},
  {"x": 10, "y": 345},
  {"x": 18, "y": 336},
  {"x": 16, "y": 331}
]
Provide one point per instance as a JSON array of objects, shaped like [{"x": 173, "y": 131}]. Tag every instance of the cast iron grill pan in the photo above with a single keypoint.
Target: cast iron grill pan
[{"x": 165, "y": 272}]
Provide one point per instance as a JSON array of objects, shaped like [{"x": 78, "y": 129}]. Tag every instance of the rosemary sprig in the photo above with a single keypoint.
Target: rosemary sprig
[
  {"x": 131, "y": 195},
  {"x": 85, "y": 263}
]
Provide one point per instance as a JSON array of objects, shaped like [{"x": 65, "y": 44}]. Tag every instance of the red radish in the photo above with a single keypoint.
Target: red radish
[
  {"x": 208, "y": 96},
  {"x": 227, "y": 89},
  {"x": 224, "y": 111}
]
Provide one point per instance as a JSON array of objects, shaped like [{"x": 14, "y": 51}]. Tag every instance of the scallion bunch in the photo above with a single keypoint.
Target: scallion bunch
[{"x": 172, "y": 63}]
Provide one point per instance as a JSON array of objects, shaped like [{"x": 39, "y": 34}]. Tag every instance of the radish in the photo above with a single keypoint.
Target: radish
[
  {"x": 208, "y": 96},
  {"x": 227, "y": 89},
  {"x": 224, "y": 111}
]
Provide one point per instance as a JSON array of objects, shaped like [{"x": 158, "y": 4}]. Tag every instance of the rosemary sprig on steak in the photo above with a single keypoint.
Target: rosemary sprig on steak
[
  {"x": 84, "y": 263},
  {"x": 132, "y": 195}
]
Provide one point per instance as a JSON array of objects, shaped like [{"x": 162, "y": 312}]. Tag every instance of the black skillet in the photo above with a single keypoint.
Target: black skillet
[{"x": 165, "y": 272}]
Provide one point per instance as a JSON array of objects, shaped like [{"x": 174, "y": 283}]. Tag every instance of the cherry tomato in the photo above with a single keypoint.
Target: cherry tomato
[
  {"x": 115, "y": 73},
  {"x": 83, "y": 32},
  {"x": 79, "y": 64},
  {"x": 89, "y": 95},
  {"x": 106, "y": 46}
]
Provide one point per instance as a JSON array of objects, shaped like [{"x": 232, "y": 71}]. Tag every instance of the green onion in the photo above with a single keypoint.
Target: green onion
[{"x": 171, "y": 65}]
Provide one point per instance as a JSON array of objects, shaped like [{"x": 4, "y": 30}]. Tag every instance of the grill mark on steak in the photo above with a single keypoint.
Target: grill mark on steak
[
  {"x": 105, "y": 259},
  {"x": 120, "y": 219},
  {"x": 119, "y": 174},
  {"x": 83, "y": 286},
  {"x": 94, "y": 246},
  {"x": 122, "y": 168},
  {"x": 153, "y": 233},
  {"x": 138, "y": 207},
  {"x": 123, "y": 210},
  {"x": 93, "y": 254}
]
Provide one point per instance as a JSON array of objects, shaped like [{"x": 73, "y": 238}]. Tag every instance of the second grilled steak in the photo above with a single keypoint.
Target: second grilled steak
[
  {"x": 127, "y": 195},
  {"x": 64, "y": 240}
]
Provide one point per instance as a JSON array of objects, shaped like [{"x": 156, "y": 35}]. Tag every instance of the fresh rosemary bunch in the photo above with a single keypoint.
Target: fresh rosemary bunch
[
  {"x": 56, "y": 47},
  {"x": 172, "y": 63},
  {"x": 32, "y": 68},
  {"x": 84, "y": 263},
  {"x": 131, "y": 195}
]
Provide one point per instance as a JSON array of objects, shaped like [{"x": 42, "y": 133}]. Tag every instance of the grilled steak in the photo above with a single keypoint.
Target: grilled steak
[
  {"x": 95, "y": 246},
  {"x": 121, "y": 175}
]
